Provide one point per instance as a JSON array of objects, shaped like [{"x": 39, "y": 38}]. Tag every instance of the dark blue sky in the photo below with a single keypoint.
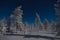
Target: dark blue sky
[{"x": 45, "y": 9}]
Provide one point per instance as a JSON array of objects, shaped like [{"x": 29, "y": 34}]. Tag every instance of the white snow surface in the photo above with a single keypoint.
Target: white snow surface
[{"x": 2, "y": 37}]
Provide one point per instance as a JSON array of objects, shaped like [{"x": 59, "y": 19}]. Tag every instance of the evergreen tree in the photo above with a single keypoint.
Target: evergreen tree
[
  {"x": 41, "y": 27},
  {"x": 38, "y": 23},
  {"x": 53, "y": 27},
  {"x": 46, "y": 24},
  {"x": 57, "y": 9},
  {"x": 8, "y": 25},
  {"x": 18, "y": 12}
]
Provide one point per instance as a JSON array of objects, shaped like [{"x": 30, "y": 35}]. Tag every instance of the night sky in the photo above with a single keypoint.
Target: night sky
[{"x": 45, "y": 8}]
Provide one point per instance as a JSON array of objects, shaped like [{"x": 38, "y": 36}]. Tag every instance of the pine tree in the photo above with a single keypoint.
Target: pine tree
[
  {"x": 3, "y": 22},
  {"x": 18, "y": 12},
  {"x": 9, "y": 23},
  {"x": 26, "y": 27},
  {"x": 1, "y": 26},
  {"x": 53, "y": 27},
  {"x": 57, "y": 9},
  {"x": 46, "y": 24},
  {"x": 41, "y": 26},
  {"x": 38, "y": 23}
]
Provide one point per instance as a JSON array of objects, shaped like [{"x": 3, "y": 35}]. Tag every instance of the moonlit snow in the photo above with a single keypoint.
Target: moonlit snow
[{"x": 2, "y": 37}]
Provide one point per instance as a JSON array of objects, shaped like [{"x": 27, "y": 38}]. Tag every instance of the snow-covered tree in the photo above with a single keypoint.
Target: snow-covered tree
[
  {"x": 3, "y": 25},
  {"x": 9, "y": 24},
  {"x": 18, "y": 12},
  {"x": 41, "y": 27},
  {"x": 38, "y": 23},
  {"x": 3, "y": 21},
  {"x": 57, "y": 9},
  {"x": 52, "y": 27},
  {"x": 33, "y": 27},
  {"x": 26, "y": 27},
  {"x": 46, "y": 24}
]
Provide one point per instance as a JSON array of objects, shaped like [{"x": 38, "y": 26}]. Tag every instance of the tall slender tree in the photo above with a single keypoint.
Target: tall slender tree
[{"x": 38, "y": 23}]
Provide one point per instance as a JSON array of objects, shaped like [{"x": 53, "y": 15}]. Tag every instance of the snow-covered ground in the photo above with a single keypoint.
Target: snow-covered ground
[
  {"x": 9, "y": 37},
  {"x": 44, "y": 34},
  {"x": 38, "y": 33},
  {"x": 2, "y": 37}
]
